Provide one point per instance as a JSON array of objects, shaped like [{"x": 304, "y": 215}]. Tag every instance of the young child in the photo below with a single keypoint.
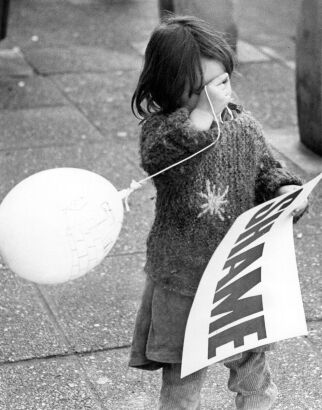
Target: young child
[{"x": 183, "y": 88}]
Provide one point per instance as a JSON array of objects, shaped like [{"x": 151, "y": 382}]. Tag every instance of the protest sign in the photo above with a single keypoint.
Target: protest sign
[{"x": 249, "y": 295}]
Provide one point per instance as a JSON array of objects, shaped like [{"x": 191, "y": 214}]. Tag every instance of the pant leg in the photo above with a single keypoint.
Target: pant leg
[
  {"x": 177, "y": 393},
  {"x": 250, "y": 377}
]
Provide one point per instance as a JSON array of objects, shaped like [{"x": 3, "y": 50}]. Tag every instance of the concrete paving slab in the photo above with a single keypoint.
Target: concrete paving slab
[
  {"x": 112, "y": 87},
  {"x": 269, "y": 22},
  {"x": 98, "y": 310},
  {"x": 46, "y": 385},
  {"x": 287, "y": 140},
  {"x": 273, "y": 102},
  {"x": 26, "y": 328},
  {"x": 60, "y": 23},
  {"x": 105, "y": 99},
  {"x": 307, "y": 234},
  {"x": 297, "y": 371},
  {"x": 42, "y": 127},
  {"x": 315, "y": 335},
  {"x": 104, "y": 158},
  {"x": 31, "y": 92},
  {"x": 13, "y": 64},
  {"x": 294, "y": 350},
  {"x": 15, "y": 165},
  {"x": 289, "y": 356},
  {"x": 119, "y": 386},
  {"x": 309, "y": 262},
  {"x": 117, "y": 123},
  {"x": 311, "y": 227},
  {"x": 124, "y": 388},
  {"x": 296, "y": 368},
  {"x": 80, "y": 59}
]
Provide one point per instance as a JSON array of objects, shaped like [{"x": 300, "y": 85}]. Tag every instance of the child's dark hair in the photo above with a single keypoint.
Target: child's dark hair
[{"x": 172, "y": 62}]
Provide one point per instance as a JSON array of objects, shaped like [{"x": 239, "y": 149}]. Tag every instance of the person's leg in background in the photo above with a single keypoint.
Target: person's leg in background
[
  {"x": 180, "y": 394},
  {"x": 250, "y": 377}
]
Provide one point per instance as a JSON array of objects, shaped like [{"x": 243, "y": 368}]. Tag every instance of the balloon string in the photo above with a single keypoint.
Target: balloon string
[{"x": 125, "y": 193}]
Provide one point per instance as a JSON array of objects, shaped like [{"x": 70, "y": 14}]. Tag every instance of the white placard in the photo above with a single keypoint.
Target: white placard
[{"x": 249, "y": 294}]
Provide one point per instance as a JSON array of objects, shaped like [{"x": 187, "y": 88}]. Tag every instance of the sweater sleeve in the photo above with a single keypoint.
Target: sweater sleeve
[
  {"x": 169, "y": 139},
  {"x": 271, "y": 174}
]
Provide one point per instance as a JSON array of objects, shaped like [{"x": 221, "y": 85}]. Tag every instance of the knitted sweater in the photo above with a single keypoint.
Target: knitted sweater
[{"x": 198, "y": 201}]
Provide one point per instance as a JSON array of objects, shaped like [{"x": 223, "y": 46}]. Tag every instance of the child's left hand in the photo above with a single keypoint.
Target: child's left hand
[{"x": 301, "y": 209}]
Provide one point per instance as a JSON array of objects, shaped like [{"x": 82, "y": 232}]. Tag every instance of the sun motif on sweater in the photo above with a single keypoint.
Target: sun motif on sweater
[{"x": 215, "y": 200}]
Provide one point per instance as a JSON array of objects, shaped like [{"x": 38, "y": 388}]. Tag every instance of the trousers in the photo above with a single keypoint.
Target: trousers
[{"x": 250, "y": 378}]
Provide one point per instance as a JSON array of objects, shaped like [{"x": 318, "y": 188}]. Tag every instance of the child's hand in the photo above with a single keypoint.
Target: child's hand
[
  {"x": 301, "y": 209},
  {"x": 219, "y": 92}
]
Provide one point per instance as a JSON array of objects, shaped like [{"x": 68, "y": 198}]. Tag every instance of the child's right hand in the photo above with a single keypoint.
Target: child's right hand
[
  {"x": 219, "y": 91},
  {"x": 301, "y": 209}
]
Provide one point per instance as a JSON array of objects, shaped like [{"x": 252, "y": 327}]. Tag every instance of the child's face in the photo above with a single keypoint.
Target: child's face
[{"x": 211, "y": 70}]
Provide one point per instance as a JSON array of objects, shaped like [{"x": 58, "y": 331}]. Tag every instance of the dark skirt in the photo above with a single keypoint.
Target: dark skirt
[{"x": 160, "y": 327}]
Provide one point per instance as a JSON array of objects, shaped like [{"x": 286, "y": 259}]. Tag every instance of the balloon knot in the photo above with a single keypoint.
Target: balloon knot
[
  {"x": 135, "y": 185},
  {"x": 125, "y": 193}
]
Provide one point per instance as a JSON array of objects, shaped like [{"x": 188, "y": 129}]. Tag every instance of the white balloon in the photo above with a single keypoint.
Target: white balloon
[{"x": 58, "y": 224}]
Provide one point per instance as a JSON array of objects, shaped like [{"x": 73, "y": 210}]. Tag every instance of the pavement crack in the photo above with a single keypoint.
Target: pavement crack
[
  {"x": 76, "y": 105},
  {"x": 69, "y": 354},
  {"x": 53, "y": 317}
]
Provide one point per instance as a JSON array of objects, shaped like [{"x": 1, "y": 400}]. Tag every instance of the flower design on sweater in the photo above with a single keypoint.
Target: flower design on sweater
[{"x": 215, "y": 200}]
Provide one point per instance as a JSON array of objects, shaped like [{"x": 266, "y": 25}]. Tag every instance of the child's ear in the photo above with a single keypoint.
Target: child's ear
[{"x": 191, "y": 102}]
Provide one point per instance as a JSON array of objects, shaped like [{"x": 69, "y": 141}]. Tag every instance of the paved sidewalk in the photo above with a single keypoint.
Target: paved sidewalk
[{"x": 72, "y": 66}]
